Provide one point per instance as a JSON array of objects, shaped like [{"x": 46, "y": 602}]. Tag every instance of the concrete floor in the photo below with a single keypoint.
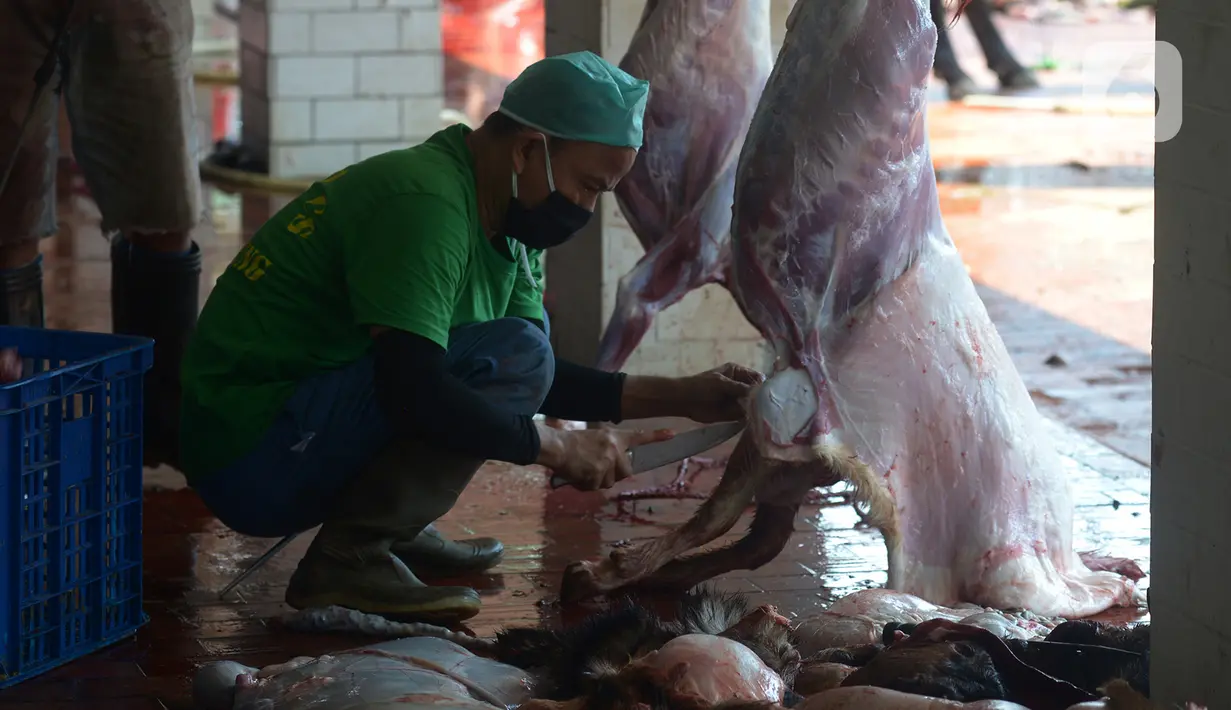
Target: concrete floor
[{"x": 1062, "y": 256}]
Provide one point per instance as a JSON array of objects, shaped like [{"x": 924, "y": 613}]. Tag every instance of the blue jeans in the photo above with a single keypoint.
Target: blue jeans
[{"x": 331, "y": 428}]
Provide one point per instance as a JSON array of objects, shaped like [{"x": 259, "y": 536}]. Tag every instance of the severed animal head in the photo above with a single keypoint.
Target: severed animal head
[{"x": 588, "y": 659}]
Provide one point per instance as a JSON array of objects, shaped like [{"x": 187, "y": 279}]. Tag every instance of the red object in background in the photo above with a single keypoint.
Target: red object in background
[
  {"x": 223, "y": 98},
  {"x": 487, "y": 43}
]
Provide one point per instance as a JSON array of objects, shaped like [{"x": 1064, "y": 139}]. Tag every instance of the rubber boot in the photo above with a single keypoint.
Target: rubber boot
[
  {"x": 1016, "y": 78},
  {"x": 21, "y": 295},
  {"x": 434, "y": 555},
  {"x": 157, "y": 295},
  {"x": 351, "y": 563}
]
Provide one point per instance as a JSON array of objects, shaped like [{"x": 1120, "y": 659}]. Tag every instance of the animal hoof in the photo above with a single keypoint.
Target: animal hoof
[
  {"x": 579, "y": 583},
  {"x": 770, "y": 613}
]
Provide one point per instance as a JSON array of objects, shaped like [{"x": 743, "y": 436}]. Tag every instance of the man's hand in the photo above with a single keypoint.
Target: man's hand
[
  {"x": 718, "y": 395},
  {"x": 593, "y": 459}
]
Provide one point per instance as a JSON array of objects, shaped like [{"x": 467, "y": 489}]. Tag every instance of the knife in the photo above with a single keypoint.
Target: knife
[
  {"x": 1082, "y": 648},
  {"x": 679, "y": 447}
]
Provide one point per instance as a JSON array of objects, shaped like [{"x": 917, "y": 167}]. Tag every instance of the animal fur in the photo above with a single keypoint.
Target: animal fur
[
  {"x": 960, "y": 671},
  {"x": 964, "y": 672},
  {"x": 578, "y": 660},
  {"x": 1095, "y": 670}
]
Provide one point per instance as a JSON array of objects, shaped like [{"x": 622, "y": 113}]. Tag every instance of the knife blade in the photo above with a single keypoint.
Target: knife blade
[
  {"x": 679, "y": 447},
  {"x": 1078, "y": 648}
]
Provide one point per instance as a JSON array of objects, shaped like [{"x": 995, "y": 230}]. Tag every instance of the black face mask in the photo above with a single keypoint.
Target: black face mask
[{"x": 548, "y": 224}]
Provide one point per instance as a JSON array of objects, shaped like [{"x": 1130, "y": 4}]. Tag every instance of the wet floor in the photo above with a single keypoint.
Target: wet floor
[{"x": 1057, "y": 231}]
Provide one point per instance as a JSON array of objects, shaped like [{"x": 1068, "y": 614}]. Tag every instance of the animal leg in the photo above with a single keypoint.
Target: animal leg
[
  {"x": 1119, "y": 565},
  {"x": 670, "y": 270},
  {"x": 769, "y": 533},
  {"x": 632, "y": 316},
  {"x": 715, "y": 517}
]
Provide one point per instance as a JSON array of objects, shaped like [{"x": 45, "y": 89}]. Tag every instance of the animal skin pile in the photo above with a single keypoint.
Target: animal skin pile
[
  {"x": 889, "y": 375},
  {"x": 872, "y": 650}
]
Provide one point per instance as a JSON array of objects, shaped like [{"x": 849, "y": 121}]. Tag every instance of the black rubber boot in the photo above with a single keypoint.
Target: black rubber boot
[
  {"x": 434, "y": 555},
  {"x": 21, "y": 295},
  {"x": 156, "y": 295},
  {"x": 351, "y": 563}
]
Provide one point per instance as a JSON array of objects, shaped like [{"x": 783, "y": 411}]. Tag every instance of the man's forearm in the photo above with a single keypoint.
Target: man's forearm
[
  {"x": 420, "y": 398},
  {"x": 646, "y": 397},
  {"x": 586, "y": 394}
]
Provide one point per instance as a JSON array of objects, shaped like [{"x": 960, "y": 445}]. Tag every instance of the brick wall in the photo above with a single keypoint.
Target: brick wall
[
  {"x": 328, "y": 82},
  {"x": 1191, "y": 487},
  {"x": 705, "y": 329}
]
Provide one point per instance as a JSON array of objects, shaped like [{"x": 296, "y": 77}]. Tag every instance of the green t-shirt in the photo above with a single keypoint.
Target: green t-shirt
[{"x": 392, "y": 241}]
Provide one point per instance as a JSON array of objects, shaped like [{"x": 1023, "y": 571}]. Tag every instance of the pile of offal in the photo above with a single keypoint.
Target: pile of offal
[{"x": 872, "y": 650}]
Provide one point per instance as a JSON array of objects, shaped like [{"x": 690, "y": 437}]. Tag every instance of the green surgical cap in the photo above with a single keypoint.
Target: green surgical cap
[{"x": 579, "y": 96}]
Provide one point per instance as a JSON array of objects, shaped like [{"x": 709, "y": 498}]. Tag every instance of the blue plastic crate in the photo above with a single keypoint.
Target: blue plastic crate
[{"x": 70, "y": 497}]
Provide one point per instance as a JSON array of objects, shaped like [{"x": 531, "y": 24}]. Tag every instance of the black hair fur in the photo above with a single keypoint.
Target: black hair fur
[
  {"x": 1091, "y": 671},
  {"x": 572, "y": 661}
]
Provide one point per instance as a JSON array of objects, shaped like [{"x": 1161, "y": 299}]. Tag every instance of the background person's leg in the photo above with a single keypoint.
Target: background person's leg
[
  {"x": 1009, "y": 71},
  {"x": 946, "y": 65},
  {"x": 130, "y": 100},
  {"x": 27, "y": 204}
]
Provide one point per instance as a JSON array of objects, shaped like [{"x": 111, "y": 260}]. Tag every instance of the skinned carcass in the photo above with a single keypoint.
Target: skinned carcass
[
  {"x": 707, "y": 62},
  {"x": 404, "y": 673},
  {"x": 889, "y": 372},
  {"x": 860, "y": 618}
]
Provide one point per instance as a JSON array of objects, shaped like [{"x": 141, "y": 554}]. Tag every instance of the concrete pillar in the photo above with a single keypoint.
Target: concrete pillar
[
  {"x": 1191, "y": 452},
  {"x": 326, "y": 83},
  {"x": 574, "y": 271},
  {"x": 704, "y": 330}
]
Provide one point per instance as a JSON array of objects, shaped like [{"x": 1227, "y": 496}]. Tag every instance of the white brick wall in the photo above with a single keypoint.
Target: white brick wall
[
  {"x": 354, "y": 32},
  {"x": 289, "y": 33},
  {"x": 300, "y": 5},
  {"x": 420, "y": 74},
  {"x": 420, "y": 114},
  {"x": 291, "y": 120},
  {"x": 343, "y": 79},
  {"x": 356, "y": 119},
  {"x": 422, "y": 4},
  {"x": 1191, "y": 536},
  {"x": 312, "y": 159},
  {"x": 419, "y": 30},
  {"x": 367, "y": 150},
  {"x": 311, "y": 77}
]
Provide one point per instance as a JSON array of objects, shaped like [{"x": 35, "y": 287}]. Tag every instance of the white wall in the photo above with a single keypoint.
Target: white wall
[{"x": 1191, "y": 473}]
